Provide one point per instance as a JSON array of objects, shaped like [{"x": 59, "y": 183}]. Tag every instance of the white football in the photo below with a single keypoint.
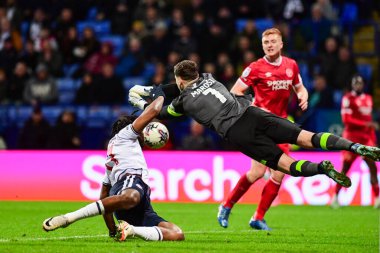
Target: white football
[{"x": 156, "y": 135}]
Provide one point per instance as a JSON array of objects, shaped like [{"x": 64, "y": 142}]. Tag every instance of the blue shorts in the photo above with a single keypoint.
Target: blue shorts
[{"x": 142, "y": 214}]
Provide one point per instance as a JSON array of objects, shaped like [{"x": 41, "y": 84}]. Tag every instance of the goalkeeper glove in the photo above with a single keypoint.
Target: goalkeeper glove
[
  {"x": 156, "y": 91},
  {"x": 141, "y": 90},
  {"x": 136, "y": 100}
]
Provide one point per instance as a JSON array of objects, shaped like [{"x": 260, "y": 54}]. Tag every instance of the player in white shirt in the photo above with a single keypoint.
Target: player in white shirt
[{"x": 125, "y": 192}]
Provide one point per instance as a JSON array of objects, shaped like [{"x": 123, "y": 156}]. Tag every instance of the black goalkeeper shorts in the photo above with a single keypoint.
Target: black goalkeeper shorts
[{"x": 257, "y": 132}]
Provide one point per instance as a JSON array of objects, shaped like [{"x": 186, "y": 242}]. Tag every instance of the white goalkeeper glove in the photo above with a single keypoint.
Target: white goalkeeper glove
[
  {"x": 136, "y": 100},
  {"x": 141, "y": 90}
]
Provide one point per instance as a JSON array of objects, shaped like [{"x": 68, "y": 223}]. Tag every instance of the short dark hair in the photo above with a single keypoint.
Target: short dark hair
[
  {"x": 187, "y": 70},
  {"x": 121, "y": 122}
]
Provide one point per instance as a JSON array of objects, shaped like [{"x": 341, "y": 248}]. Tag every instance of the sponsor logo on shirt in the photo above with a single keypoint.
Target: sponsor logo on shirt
[
  {"x": 246, "y": 72},
  {"x": 268, "y": 74},
  {"x": 280, "y": 84}
]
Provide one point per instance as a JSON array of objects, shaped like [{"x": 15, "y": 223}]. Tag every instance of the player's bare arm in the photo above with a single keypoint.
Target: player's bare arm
[
  {"x": 302, "y": 96},
  {"x": 148, "y": 114},
  {"x": 108, "y": 217},
  {"x": 239, "y": 88}
]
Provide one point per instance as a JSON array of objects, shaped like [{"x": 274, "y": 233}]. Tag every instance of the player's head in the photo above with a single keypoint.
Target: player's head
[
  {"x": 357, "y": 84},
  {"x": 272, "y": 42},
  {"x": 185, "y": 72},
  {"x": 121, "y": 122}
]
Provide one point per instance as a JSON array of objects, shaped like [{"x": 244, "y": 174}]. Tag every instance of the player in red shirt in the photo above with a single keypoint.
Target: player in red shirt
[
  {"x": 272, "y": 79},
  {"x": 358, "y": 127}
]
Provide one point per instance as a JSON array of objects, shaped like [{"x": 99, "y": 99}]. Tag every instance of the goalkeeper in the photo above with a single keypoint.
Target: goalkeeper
[{"x": 253, "y": 131}]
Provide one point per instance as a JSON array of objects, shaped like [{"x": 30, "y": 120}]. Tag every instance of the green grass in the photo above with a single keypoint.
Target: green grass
[{"x": 296, "y": 229}]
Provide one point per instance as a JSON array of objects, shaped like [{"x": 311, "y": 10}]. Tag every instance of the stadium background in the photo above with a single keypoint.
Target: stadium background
[{"x": 141, "y": 41}]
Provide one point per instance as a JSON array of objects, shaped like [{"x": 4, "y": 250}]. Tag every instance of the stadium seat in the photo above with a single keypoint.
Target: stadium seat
[
  {"x": 52, "y": 113},
  {"x": 117, "y": 41},
  {"x": 131, "y": 81},
  {"x": 123, "y": 110},
  {"x": 98, "y": 116},
  {"x": 349, "y": 12},
  {"x": 67, "y": 84},
  {"x": 69, "y": 69},
  {"x": 240, "y": 24},
  {"x": 304, "y": 71},
  {"x": 365, "y": 70},
  {"x": 19, "y": 114},
  {"x": 149, "y": 70},
  {"x": 262, "y": 24},
  {"x": 101, "y": 28}
]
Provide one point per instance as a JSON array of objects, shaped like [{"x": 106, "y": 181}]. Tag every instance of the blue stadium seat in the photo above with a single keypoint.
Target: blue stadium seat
[
  {"x": 122, "y": 110},
  {"x": 365, "y": 70},
  {"x": 101, "y": 28},
  {"x": 263, "y": 23},
  {"x": 117, "y": 41},
  {"x": 149, "y": 70},
  {"x": 52, "y": 113},
  {"x": 69, "y": 69},
  {"x": 240, "y": 24},
  {"x": 304, "y": 71},
  {"x": 99, "y": 116},
  {"x": 81, "y": 112},
  {"x": 129, "y": 82},
  {"x": 19, "y": 114},
  {"x": 65, "y": 84},
  {"x": 349, "y": 12}
]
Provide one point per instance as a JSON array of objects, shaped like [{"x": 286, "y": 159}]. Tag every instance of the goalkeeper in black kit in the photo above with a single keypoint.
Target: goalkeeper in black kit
[{"x": 253, "y": 131}]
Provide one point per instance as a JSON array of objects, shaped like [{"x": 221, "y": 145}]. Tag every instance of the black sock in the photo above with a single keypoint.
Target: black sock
[
  {"x": 328, "y": 141},
  {"x": 303, "y": 168}
]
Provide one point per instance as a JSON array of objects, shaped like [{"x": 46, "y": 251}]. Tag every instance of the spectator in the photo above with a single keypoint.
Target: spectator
[
  {"x": 87, "y": 46},
  {"x": 7, "y": 32},
  {"x": 197, "y": 139},
  {"x": 344, "y": 70},
  {"x": 86, "y": 92},
  {"x": 327, "y": 10},
  {"x": 328, "y": 60},
  {"x": 138, "y": 31},
  {"x": 3, "y": 87},
  {"x": 35, "y": 132},
  {"x": 185, "y": 44},
  {"x": 121, "y": 19},
  {"x": 3, "y": 144},
  {"x": 177, "y": 21},
  {"x": 157, "y": 46},
  {"x": 17, "y": 83},
  {"x": 159, "y": 76},
  {"x": 14, "y": 14},
  {"x": 108, "y": 87},
  {"x": 51, "y": 58},
  {"x": 229, "y": 76},
  {"x": 321, "y": 96},
  {"x": 65, "y": 134},
  {"x": 95, "y": 63},
  {"x": 213, "y": 42},
  {"x": 38, "y": 21},
  {"x": 45, "y": 37},
  {"x": 68, "y": 44},
  {"x": 132, "y": 62},
  {"x": 64, "y": 22},
  {"x": 42, "y": 88},
  {"x": 29, "y": 55},
  {"x": 199, "y": 25},
  {"x": 8, "y": 57}
]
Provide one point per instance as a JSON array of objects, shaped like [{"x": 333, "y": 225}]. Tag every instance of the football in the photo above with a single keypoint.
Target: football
[{"x": 156, "y": 135}]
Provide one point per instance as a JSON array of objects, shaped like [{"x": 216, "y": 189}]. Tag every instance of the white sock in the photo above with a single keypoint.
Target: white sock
[
  {"x": 148, "y": 233},
  {"x": 95, "y": 208}
]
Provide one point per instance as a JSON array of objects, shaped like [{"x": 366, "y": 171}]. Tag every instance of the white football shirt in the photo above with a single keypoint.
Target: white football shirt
[{"x": 124, "y": 155}]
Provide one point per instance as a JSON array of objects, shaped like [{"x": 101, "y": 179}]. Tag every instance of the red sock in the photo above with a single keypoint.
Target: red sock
[
  {"x": 337, "y": 188},
  {"x": 269, "y": 193},
  {"x": 240, "y": 188},
  {"x": 375, "y": 190}
]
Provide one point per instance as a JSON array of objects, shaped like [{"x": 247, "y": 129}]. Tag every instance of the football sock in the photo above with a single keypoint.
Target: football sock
[
  {"x": 328, "y": 141},
  {"x": 375, "y": 189},
  {"x": 270, "y": 191},
  {"x": 95, "y": 208},
  {"x": 337, "y": 188},
  {"x": 303, "y": 168},
  {"x": 240, "y": 188},
  {"x": 149, "y": 233}
]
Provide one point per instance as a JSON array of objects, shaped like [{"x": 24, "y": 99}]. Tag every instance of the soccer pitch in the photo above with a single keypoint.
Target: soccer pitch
[{"x": 295, "y": 229}]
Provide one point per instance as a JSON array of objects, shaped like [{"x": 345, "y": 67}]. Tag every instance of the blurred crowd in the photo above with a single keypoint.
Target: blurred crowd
[{"x": 43, "y": 41}]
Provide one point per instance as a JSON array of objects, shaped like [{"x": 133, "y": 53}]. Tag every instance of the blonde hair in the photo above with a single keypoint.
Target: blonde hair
[{"x": 272, "y": 31}]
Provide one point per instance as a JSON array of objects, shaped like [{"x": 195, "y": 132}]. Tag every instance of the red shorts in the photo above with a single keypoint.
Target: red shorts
[
  {"x": 368, "y": 139},
  {"x": 285, "y": 147}
]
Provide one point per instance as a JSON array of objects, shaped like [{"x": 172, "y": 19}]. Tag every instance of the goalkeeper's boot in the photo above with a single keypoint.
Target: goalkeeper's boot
[
  {"x": 334, "y": 202},
  {"x": 259, "y": 225},
  {"x": 124, "y": 230},
  {"x": 53, "y": 223},
  {"x": 223, "y": 214},
  {"x": 367, "y": 151},
  {"x": 328, "y": 169}
]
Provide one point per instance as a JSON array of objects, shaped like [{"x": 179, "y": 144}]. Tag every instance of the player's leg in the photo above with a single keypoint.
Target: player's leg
[
  {"x": 374, "y": 181},
  {"x": 256, "y": 171},
  {"x": 348, "y": 159},
  {"x": 171, "y": 232},
  {"x": 126, "y": 198},
  {"x": 269, "y": 193}
]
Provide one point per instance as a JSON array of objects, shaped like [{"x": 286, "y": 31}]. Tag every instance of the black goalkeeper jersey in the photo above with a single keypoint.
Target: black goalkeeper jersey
[{"x": 210, "y": 104}]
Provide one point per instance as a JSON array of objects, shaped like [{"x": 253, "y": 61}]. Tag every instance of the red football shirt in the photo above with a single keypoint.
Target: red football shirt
[
  {"x": 272, "y": 83},
  {"x": 356, "y": 113}
]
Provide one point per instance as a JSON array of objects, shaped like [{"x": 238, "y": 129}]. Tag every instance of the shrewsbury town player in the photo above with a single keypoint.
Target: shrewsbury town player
[
  {"x": 125, "y": 191},
  {"x": 272, "y": 79},
  {"x": 253, "y": 131},
  {"x": 358, "y": 127}
]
